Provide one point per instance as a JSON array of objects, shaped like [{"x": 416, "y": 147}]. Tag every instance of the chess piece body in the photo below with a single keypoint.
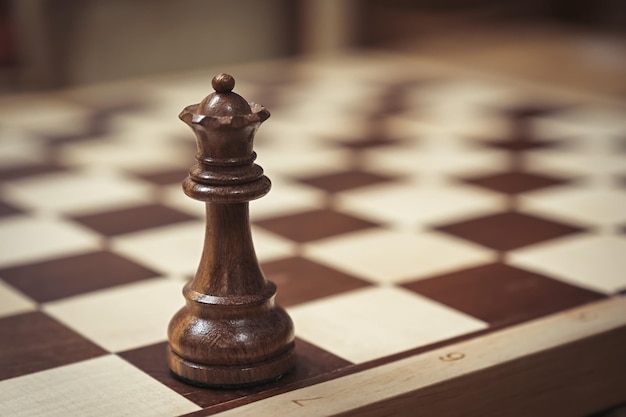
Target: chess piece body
[{"x": 230, "y": 332}]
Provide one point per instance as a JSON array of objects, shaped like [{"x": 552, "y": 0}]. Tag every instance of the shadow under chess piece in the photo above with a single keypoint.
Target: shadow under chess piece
[{"x": 230, "y": 332}]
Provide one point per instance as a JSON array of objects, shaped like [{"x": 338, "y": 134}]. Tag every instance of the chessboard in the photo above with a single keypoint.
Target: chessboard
[{"x": 447, "y": 242}]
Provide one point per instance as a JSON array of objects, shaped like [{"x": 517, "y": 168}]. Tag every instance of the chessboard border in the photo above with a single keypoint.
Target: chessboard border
[{"x": 541, "y": 374}]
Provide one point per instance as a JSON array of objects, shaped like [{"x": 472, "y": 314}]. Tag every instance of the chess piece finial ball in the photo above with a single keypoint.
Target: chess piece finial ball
[
  {"x": 223, "y": 83},
  {"x": 223, "y": 102}
]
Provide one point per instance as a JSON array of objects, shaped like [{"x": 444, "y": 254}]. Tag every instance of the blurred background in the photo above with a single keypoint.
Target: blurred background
[{"x": 57, "y": 43}]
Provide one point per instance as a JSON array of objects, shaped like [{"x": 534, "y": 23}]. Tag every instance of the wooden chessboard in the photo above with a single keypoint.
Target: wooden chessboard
[{"x": 446, "y": 242}]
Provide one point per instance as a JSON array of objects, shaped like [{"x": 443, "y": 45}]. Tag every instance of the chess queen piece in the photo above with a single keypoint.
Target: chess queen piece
[{"x": 230, "y": 333}]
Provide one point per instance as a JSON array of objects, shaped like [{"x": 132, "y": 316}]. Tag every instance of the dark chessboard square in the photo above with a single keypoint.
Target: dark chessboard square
[
  {"x": 508, "y": 231},
  {"x": 300, "y": 280},
  {"x": 8, "y": 210},
  {"x": 500, "y": 294},
  {"x": 311, "y": 362},
  {"x": 528, "y": 111},
  {"x": 346, "y": 180},
  {"x": 98, "y": 123},
  {"x": 93, "y": 132},
  {"x": 153, "y": 361},
  {"x": 313, "y": 225},
  {"x": 118, "y": 222},
  {"x": 64, "y": 277},
  {"x": 521, "y": 144},
  {"x": 515, "y": 182},
  {"x": 111, "y": 108},
  {"x": 34, "y": 342},
  {"x": 29, "y": 170},
  {"x": 165, "y": 177},
  {"x": 370, "y": 142}
]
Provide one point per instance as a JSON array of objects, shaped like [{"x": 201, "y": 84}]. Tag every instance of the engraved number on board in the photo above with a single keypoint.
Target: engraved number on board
[
  {"x": 452, "y": 356},
  {"x": 586, "y": 315},
  {"x": 301, "y": 402}
]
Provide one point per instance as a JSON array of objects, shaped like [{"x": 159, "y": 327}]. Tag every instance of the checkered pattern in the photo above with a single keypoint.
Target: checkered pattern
[{"x": 404, "y": 212}]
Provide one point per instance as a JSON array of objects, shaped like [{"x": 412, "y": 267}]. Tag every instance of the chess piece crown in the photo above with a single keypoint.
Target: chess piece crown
[{"x": 225, "y": 125}]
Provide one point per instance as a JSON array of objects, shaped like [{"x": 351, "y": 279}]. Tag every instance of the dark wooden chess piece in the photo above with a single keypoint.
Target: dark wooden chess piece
[{"x": 230, "y": 333}]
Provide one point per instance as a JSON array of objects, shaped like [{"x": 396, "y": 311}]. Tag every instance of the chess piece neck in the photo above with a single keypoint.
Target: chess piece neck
[{"x": 228, "y": 266}]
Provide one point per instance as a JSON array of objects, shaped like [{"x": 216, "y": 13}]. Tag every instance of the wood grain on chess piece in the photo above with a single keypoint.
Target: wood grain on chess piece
[{"x": 230, "y": 333}]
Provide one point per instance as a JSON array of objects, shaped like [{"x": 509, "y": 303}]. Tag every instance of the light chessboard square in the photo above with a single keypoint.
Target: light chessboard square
[
  {"x": 585, "y": 205},
  {"x": 412, "y": 205},
  {"x": 386, "y": 256},
  {"x": 434, "y": 164},
  {"x": 105, "y": 386},
  {"x": 28, "y": 238},
  {"x": 14, "y": 302},
  {"x": 595, "y": 262},
  {"x": 176, "y": 249},
  {"x": 374, "y": 322},
  {"x": 575, "y": 163},
  {"x": 19, "y": 148},
  {"x": 46, "y": 115},
  {"x": 118, "y": 153},
  {"x": 77, "y": 192},
  {"x": 173, "y": 249},
  {"x": 123, "y": 317},
  {"x": 302, "y": 162}
]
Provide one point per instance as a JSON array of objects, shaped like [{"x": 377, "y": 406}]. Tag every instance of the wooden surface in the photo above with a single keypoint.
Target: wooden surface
[{"x": 388, "y": 232}]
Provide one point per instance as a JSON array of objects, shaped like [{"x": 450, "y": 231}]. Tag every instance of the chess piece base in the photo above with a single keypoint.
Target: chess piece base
[{"x": 231, "y": 377}]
